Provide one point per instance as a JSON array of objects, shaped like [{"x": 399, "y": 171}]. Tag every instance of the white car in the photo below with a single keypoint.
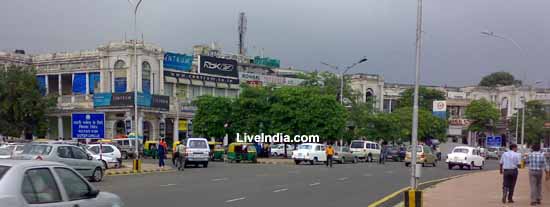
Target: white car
[
  {"x": 309, "y": 152},
  {"x": 464, "y": 156},
  {"x": 365, "y": 150},
  {"x": 279, "y": 150},
  {"x": 106, "y": 150},
  {"x": 197, "y": 152},
  {"x": 29, "y": 183},
  {"x": 108, "y": 162}
]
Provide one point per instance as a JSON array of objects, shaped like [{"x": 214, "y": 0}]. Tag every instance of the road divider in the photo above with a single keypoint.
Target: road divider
[{"x": 129, "y": 171}]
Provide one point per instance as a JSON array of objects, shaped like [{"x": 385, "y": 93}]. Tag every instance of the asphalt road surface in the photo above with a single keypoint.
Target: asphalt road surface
[{"x": 226, "y": 184}]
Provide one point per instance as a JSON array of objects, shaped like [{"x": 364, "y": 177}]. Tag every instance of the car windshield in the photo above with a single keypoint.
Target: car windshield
[
  {"x": 460, "y": 150},
  {"x": 418, "y": 148},
  {"x": 492, "y": 150},
  {"x": 3, "y": 170},
  {"x": 305, "y": 146},
  {"x": 197, "y": 144},
  {"x": 357, "y": 144},
  {"x": 37, "y": 149},
  {"x": 5, "y": 151}
]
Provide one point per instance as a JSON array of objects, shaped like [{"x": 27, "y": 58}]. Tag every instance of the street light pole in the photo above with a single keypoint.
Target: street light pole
[
  {"x": 414, "y": 141},
  {"x": 136, "y": 115}
]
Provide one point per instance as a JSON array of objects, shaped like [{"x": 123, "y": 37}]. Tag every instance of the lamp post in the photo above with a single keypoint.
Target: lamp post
[
  {"x": 414, "y": 132},
  {"x": 342, "y": 73},
  {"x": 136, "y": 115}
]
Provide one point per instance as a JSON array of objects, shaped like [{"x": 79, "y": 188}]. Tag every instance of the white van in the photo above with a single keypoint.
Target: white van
[
  {"x": 197, "y": 152},
  {"x": 365, "y": 150}
]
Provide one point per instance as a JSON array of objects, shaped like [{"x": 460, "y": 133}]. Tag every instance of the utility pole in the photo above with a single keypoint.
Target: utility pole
[
  {"x": 136, "y": 115},
  {"x": 414, "y": 141}
]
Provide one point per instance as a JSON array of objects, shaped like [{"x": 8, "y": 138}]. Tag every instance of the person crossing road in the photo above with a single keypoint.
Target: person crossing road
[{"x": 330, "y": 153}]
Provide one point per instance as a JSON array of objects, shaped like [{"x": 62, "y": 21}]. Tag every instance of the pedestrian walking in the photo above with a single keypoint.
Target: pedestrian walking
[
  {"x": 330, "y": 152},
  {"x": 161, "y": 153},
  {"x": 509, "y": 163},
  {"x": 180, "y": 151},
  {"x": 383, "y": 154},
  {"x": 537, "y": 164}
]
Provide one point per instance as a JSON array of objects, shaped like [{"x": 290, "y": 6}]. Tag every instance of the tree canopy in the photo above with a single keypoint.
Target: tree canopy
[
  {"x": 483, "y": 115},
  {"x": 499, "y": 79},
  {"x": 23, "y": 108},
  {"x": 426, "y": 96},
  {"x": 536, "y": 114}
]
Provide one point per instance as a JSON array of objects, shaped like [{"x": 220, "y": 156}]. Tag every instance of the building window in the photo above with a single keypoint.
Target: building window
[
  {"x": 220, "y": 92},
  {"x": 207, "y": 91},
  {"x": 146, "y": 77},
  {"x": 168, "y": 89},
  {"x": 195, "y": 91},
  {"x": 120, "y": 76}
]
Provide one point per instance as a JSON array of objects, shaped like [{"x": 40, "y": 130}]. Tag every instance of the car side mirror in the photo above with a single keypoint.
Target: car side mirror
[
  {"x": 90, "y": 157},
  {"x": 92, "y": 193}
]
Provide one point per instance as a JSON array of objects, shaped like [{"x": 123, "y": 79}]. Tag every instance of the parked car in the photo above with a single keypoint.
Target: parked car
[
  {"x": 16, "y": 149},
  {"x": 110, "y": 154},
  {"x": 5, "y": 153},
  {"x": 343, "y": 155},
  {"x": 396, "y": 153},
  {"x": 70, "y": 155},
  {"x": 495, "y": 152},
  {"x": 42, "y": 183},
  {"x": 279, "y": 150},
  {"x": 309, "y": 152},
  {"x": 464, "y": 156},
  {"x": 127, "y": 147},
  {"x": 197, "y": 152},
  {"x": 365, "y": 150},
  {"x": 424, "y": 156},
  {"x": 482, "y": 152}
]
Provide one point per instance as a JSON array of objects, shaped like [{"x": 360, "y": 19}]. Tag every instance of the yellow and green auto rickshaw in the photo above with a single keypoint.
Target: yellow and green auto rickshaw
[
  {"x": 238, "y": 152},
  {"x": 216, "y": 150},
  {"x": 150, "y": 148}
]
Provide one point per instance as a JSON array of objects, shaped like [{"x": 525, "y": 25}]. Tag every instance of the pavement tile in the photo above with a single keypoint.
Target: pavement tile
[{"x": 481, "y": 190}]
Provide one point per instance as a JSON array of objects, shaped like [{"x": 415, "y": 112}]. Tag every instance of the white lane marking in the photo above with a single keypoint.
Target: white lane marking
[
  {"x": 167, "y": 185},
  {"x": 342, "y": 179},
  {"x": 280, "y": 190},
  {"x": 367, "y": 175},
  {"x": 314, "y": 184},
  {"x": 219, "y": 179},
  {"x": 235, "y": 199}
]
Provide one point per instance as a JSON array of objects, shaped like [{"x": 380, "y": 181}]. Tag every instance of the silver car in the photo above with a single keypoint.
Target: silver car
[
  {"x": 48, "y": 184},
  {"x": 70, "y": 155},
  {"x": 343, "y": 155}
]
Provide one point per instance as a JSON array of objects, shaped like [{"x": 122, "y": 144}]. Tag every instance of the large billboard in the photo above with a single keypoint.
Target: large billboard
[
  {"x": 88, "y": 125},
  {"x": 218, "y": 66},
  {"x": 178, "y": 61}
]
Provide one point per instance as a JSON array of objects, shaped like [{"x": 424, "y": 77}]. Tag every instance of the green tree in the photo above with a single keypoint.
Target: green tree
[
  {"x": 329, "y": 84},
  {"x": 483, "y": 115},
  {"x": 499, "y": 78},
  {"x": 213, "y": 113},
  {"x": 426, "y": 96},
  {"x": 536, "y": 114},
  {"x": 251, "y": 110},
  {"x": 23, "y": 109},
  {"x": 429, "y": 126}
]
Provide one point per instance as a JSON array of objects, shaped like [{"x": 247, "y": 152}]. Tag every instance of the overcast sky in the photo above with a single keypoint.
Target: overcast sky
[{"x": 301, "y": 33}]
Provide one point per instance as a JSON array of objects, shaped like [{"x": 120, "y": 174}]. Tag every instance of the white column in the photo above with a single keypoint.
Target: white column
[
  {"x": 176, "y": 130},
  {"x": 60, "y": 127},
  {"x": 59, "y": 85},
  {"x": 389, "y": 106},
  {"x": 72, "y": 82},
  {"x": 47, "y": 87},
  {"x": 87, "y": 85},
  {"x": 112, "y": 77}
]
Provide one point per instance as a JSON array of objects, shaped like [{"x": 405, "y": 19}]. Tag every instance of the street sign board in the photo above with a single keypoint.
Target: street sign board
[
  {"x": 494, "y": 141},
  {"x": 88, "y": 125},
  {"x": 440, "y": 106}
]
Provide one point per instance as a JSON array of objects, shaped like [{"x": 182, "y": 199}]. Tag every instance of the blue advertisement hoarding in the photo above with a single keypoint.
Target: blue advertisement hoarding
[
  {"x": 494, "y": 141},
  {"x": 178, "y": 61},
  {"x": 88, "y": 125}
]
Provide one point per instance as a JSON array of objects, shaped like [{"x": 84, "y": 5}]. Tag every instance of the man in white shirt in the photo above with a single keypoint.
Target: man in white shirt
[{"x": 509, "y": 163}]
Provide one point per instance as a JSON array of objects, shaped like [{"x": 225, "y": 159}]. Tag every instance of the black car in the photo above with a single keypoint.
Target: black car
[{"x": 396, "y": 153}]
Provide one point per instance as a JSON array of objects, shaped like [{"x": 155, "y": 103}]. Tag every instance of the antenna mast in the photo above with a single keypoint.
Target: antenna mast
[{"x": 242, "y": 32}]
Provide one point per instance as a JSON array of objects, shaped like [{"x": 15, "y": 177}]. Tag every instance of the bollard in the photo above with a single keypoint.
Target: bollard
[
  {"x": 522, "y": 164},
  {"x": 413, "y": 198},
  {"x": 137, "y": 166}
]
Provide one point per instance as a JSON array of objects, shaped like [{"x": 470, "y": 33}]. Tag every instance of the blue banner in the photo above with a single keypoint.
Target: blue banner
[
  {"x": 79, "y": 83},
  {"x": 102, "y": 99},
  {"x": 94, "y": 80},
  {"x": 178, "y": 61},
  {"x": 120, "y": 85},
  {"x": 440, "y": 114},
  {"x": 41, "y": 84},
  {"x": 88, "y": 125},
  {"x": 144, "y": 99},
  {"x": 493, "y": 141},
  {"x": 146, "y": 85}
]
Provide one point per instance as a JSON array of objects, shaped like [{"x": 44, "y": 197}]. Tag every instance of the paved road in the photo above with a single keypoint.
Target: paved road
[{"x": 224, "y": 184}]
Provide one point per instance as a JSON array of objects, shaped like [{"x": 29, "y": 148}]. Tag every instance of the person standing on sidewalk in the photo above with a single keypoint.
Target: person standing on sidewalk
[
  {"x": 537, "y": 165},
  {"x": 330, "y": 152},
  {"x": 161, "y": 153},
  {"x": 509, "y": 163}
]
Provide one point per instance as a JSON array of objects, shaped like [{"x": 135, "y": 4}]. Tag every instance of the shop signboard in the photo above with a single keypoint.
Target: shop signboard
[
  {"x": 440, "y": 109},
  {"x": 202, "y": 77},
  {"x": 88, "y": 125},
  {"x": 266, "y": 61},
  {"x": 218, "y": 66},
  {"x": 177, "y": 61}
]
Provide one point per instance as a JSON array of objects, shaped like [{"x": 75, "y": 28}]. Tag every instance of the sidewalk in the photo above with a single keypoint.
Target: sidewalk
[
  {"x": 481, "y": 189},
  {"x": 276, "y": 161},
  {"x": 145, "y": 168}
]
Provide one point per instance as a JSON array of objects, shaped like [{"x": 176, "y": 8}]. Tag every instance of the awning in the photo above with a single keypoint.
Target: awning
[
  {"x": 184, "y": 81},
  {"x": 222, "y": 85},
  {"x": 210, "y": 83},
  {"x": 196, "y": 82},
  {"x": 170, "y": 79}
]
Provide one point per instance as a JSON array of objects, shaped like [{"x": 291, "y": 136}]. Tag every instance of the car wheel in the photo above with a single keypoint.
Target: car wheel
[
  {"x": 471, "y": 166},
  {"x": 275, "y": 155},
  {"x": 481, "y": 166},
  {"x": 105, "y": 166},
  {"x": 343, "y": 160},
  {"x": 407, "y": 164},
  {"x": 461, "y": 167},
  {"x": 125, "y": 155},
  {"x": 205, "y": 165},
  {"x": 435, "y": 163},
  {"x": 369, "y": 158},
  {"x": 354, "y": 160},
  {"x": 97, "y": 175},
  {"x": 423, "y": 164},
  {"x": 297, "y": 162},
  {"x": 450, "y": 166}
]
